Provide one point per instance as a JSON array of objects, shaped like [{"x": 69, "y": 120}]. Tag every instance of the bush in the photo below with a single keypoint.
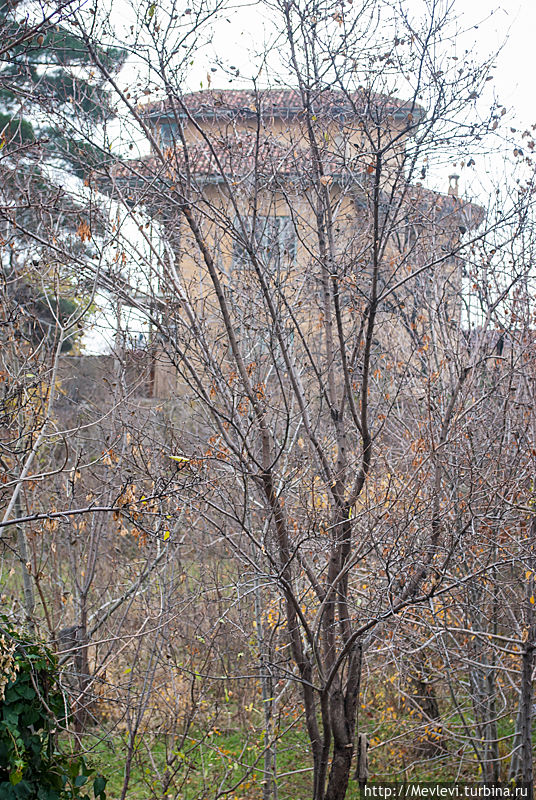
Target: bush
[{"x": 33, "y": 712}]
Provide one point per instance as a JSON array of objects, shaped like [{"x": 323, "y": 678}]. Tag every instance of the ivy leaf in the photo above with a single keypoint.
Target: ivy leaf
[
  {"x": 99, "y": 785},
  {"x": 15, "y": 777}
]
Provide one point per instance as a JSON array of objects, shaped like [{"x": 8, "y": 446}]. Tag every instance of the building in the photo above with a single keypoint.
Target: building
[{"x": 293, "y": 192}]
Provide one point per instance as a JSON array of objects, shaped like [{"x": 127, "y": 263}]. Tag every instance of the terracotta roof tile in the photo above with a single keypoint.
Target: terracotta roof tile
[
  {"x": 280, "y": 103},
  {"x": 241, "y": 160},
  {"x": 239, "y": 156}
]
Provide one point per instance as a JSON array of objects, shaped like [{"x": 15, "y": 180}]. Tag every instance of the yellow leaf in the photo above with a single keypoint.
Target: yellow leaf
[
  {"x": 531, "y": 599},
  {"x": 180, "y": 459},
  {"x": 166, "y": 535}
]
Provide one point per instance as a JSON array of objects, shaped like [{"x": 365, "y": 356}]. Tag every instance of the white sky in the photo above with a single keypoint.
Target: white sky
[
  {"x": 506, "y": 27},
  {"x": 510, "y": 24},
  {"x": 515, "y": 21},
  {"x": 510, "y": 20}
]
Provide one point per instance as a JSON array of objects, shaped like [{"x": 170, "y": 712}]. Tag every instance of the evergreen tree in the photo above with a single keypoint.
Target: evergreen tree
[{"x": 45, "y": 80}]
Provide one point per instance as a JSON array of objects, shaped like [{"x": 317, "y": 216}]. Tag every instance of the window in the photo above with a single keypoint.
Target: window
[
  {"x": 275, "y": 241},
  {"x": 167, "y": 133}
]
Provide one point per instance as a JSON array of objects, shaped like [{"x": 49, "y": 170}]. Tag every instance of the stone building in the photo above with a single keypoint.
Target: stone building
[{"x": 292, "y": 187}]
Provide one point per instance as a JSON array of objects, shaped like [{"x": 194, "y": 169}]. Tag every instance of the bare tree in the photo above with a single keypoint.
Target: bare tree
[
  {"x": 310, "y": 301},
  {"x": 330, "y": 475}
]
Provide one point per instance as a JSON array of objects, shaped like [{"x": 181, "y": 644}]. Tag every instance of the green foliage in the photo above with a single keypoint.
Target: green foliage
[
  {"x": 44, "y": 324},
  {"x": 15, "y": 131},
  {"x": 48, "y": 70},
  {"x": 62, "y": 88},
  {"x": 43, "y": 74},
  {"x": 83, "y": 157},
  {"x": 33, "y": 709},
  {"x": 38, "y": 312}
]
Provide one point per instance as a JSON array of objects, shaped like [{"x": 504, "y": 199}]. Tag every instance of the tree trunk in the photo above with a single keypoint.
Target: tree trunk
[
  {"x": 361, "y": 770},
  {"x": 27, "y": 580},
  {"x": 269, "y": 783},
  {"x": 339, "y": 773},
  {"x": 83, "y": 676},
  {"x": 521, "y": 763},
  {"x": 525, "y": 710},
  {"x": 424, "y": 697},
  {"x": 343, "y": 713},
  {"x": 491, "y": 755}
]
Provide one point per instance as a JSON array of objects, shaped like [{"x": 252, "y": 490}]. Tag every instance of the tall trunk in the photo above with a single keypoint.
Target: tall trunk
[
  {"x": 424, "y": 697},
  {"x": 483, "y": 696},
  {"x": 521, "y": 762},
  {"x": 483, "y": 685},
  {"x": 361, "y": 769},
  {"x": 526, "y": 699},
  {"x": 343, "y": 748},
  {"x": 491, "y": 755},
  {"x": 525, "y": 710},
  {"x": 339, "y": 773},
  {"x": 343, "y": 712},
  {"x": 83, "y": 677},
  {"x": 269, "y": 783},
  {"x": 27, "y": 580}
]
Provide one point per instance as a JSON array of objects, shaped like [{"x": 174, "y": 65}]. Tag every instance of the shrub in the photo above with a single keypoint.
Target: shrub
[{"x": 33, "y": 711}]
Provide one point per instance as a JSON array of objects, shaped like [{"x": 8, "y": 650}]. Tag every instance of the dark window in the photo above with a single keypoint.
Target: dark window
[
  {"x": 274, "y": 241},
  {"x": 167, "y": 133}
]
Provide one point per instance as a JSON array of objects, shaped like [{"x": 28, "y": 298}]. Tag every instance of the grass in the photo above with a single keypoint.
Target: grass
[{"x": 235, "y": 758}]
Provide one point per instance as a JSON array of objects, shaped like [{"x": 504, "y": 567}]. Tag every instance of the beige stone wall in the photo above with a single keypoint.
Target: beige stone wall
[{"x": 420, "y": 315}]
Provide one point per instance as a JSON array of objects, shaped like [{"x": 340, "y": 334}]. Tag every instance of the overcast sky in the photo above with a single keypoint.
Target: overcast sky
[
  {"x": 486, "y": 26},
  {"x": 510, "y": 24},
  {"x": 515, "y": 21}
]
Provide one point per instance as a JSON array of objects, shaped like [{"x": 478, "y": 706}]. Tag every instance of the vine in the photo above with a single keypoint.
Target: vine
[{"x": 33, "y": 711}]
